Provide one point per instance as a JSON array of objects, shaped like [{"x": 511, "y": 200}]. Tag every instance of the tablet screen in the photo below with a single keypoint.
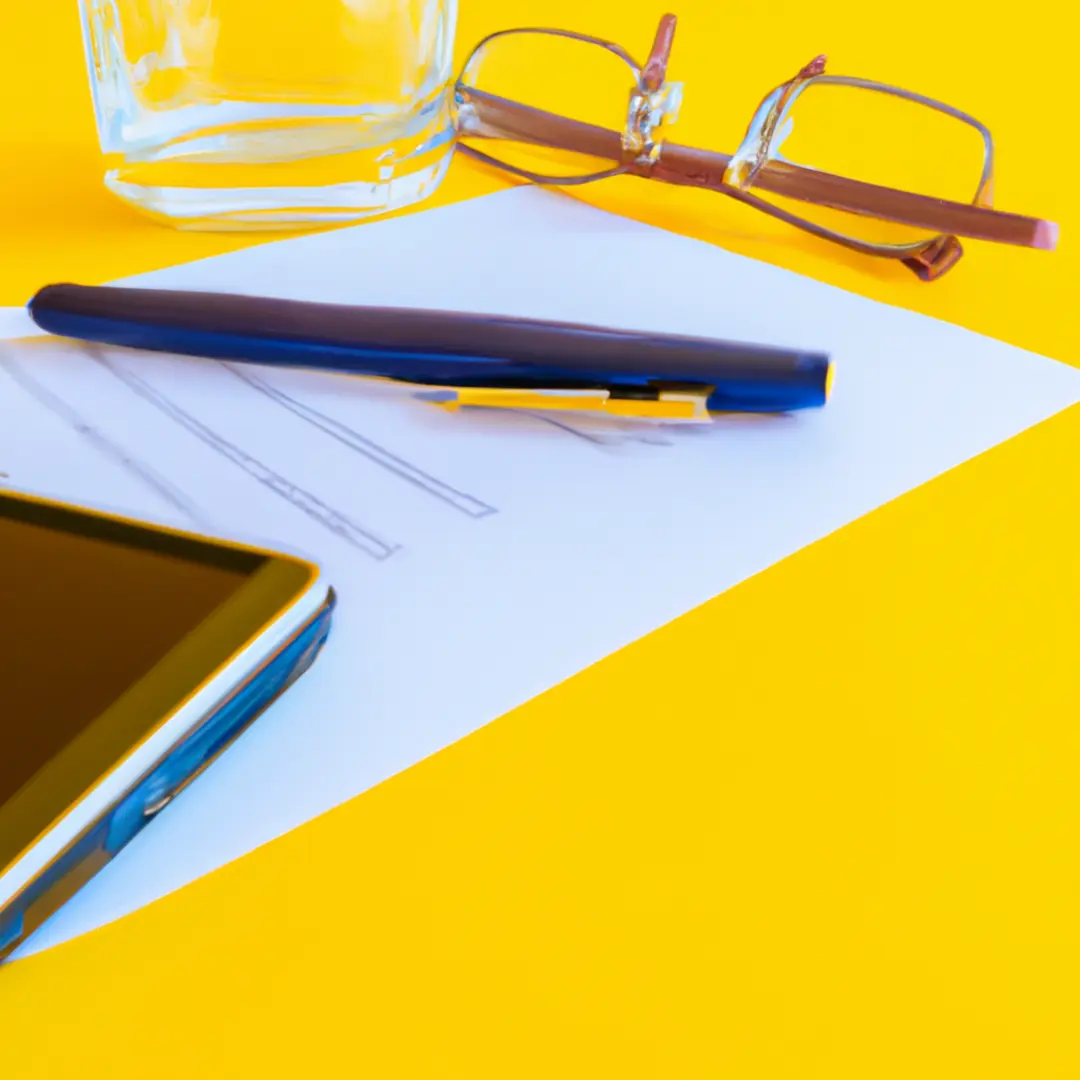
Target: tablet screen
[{"x": 89, "y": 606}]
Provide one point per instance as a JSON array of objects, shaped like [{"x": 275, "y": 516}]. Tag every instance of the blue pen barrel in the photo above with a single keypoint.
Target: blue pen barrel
[{"x": 438, "y": 348}]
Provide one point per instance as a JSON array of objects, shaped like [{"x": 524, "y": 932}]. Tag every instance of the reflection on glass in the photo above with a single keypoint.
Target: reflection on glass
[{"x": 215, "y": 113}]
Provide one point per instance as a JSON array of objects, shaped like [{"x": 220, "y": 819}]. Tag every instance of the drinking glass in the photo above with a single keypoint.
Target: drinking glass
[{"x": 222, "y": 114}]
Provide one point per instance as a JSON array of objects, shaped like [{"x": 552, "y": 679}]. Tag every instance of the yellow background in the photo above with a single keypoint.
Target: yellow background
[{"x": 824, "y": 826}]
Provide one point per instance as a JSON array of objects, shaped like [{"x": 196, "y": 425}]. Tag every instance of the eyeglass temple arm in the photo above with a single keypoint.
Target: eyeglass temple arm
[
  {"x": 691, "y": 167},
  {"x": 928, "y": 262},
  {"x": 703, "y": 168}
]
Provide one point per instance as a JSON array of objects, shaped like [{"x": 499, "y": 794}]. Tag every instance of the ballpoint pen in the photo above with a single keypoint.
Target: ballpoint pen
[{"x": 462, "y": 359}]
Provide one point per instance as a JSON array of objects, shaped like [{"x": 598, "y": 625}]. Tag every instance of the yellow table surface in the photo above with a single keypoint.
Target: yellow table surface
[{"x": 694, "y": 859}]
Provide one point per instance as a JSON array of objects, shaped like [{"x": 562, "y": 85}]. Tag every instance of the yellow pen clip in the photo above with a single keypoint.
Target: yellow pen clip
[{"x": 667, "y": 405}]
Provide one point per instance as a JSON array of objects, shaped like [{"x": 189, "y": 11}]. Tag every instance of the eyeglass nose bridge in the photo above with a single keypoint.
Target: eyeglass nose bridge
[{"x": 650, "y": 112}]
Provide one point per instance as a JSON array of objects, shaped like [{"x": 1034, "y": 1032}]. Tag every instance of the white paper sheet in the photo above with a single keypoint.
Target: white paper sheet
[
  {"x": 480, "y": 557},
  {"x": 16, "y": 322}
]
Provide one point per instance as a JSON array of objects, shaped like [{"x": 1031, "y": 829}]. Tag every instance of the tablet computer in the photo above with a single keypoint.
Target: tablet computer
[{"x": 131, "y": 655}]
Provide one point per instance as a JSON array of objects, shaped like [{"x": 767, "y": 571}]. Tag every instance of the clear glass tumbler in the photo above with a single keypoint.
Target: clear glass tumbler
[{"x": 241, "y": 114}]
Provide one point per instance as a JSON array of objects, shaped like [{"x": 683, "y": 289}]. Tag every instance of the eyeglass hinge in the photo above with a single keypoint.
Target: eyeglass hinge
[{"x": 937, "y": 258}]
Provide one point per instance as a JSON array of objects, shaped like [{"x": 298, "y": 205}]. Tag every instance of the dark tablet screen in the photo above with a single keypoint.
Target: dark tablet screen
[{"x": 88, "y": 606}]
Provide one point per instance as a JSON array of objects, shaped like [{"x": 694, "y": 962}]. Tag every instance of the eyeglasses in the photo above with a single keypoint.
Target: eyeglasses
[{"x": 880, "y": 170}]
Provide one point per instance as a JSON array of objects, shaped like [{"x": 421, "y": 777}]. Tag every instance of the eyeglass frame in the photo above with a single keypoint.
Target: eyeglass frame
[{"x": 640, "y": 149}]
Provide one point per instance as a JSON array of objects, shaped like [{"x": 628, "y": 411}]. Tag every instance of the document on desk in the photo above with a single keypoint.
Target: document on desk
[{"x": 483, "y": 556}]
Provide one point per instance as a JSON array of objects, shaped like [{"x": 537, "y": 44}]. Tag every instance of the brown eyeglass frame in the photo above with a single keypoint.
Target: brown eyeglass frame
[{"x": 640, "y": 151}]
